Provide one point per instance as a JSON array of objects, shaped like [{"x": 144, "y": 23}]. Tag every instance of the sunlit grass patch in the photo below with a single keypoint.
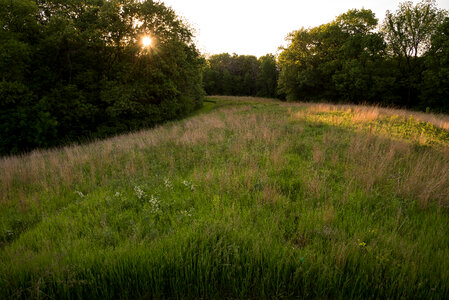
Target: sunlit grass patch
[
  {"x": 366, "y": 112},
  {"x": 378, "y": 122}
]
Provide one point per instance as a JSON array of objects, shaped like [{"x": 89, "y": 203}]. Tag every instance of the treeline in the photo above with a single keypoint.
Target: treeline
[
  {"x": 405, "y": 63},
  {"x": 72, "y": 69},
  {"x": 241, "y": 75}
]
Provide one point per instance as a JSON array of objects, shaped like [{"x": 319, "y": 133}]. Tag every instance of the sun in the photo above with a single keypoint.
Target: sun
[{"x": 146, "y": 41}]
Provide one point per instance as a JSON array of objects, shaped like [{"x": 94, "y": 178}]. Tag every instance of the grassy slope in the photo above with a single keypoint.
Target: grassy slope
[{"x": 253, "y": 198}]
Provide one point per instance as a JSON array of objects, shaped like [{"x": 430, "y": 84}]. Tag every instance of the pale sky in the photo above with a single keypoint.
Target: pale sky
[{"x": 258, "y": 27}]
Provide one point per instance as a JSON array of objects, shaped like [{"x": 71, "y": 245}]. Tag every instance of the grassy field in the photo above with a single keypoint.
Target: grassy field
[{"x": 251, "y": 198}]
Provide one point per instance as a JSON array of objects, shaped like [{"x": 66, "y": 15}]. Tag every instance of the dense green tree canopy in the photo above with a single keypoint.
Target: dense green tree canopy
[
  {"x": 241, "y": 75},
  {"x": 349, "y": 60},
  {"x": 435, "y": 84},
  {"x": 334, "y": 60},
  {"x": 408, "y": 32},
  {"x": 267, "y": 76},
  {"x": 81, "y": 67}
]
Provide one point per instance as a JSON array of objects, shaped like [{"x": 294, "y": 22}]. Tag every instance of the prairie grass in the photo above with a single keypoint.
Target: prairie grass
[
  {"x": 252, "y": 198},
  {"x": 369, "y": 113},
  {"x": 419, "y": 128}
]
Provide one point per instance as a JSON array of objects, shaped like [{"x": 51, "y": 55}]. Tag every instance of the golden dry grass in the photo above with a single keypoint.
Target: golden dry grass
[
  {"x": 421, "y": 175},
  {"x": 366, "y": 113},
  {"x": 49, "y": 169}
]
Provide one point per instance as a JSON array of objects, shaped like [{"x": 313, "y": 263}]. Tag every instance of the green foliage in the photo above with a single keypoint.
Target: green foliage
[
  {"x": 410, "y": 28},
  {"x": 408, "y": 32},
  {"x": 339, "y": 60},
  {"x": 25, "y": 122},
  {"x": 356, "y": 21},
  {"x": 346, "y": 60},
  {"x": 267, "y": 77},
  {"x": 241, "y": 75},
  {"x": 84, "y": 63},
  {"x": 435, "y": 84}
]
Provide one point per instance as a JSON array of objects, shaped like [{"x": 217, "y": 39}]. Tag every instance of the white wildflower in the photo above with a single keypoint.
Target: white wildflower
[
  {"x": 139, "y": 193},
  {"x": 117, "y": 194},
  {"x": 80, "y": 194},
  {"x": 154, "y": 203},
  {"x": 187, "y": 213},
  {"x": 189, "y": 184},
  {"x": 168, "y": 183}
]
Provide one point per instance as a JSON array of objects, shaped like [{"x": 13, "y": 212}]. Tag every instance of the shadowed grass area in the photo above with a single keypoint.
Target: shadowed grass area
[{"x": 253, "y": 198}]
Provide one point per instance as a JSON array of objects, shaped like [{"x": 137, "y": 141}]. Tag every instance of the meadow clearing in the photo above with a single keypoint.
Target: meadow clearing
[{"x": 251, "y": 198}]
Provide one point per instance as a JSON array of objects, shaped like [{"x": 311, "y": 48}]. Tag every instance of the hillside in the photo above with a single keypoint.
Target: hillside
[{"x": 251, "y": 198}]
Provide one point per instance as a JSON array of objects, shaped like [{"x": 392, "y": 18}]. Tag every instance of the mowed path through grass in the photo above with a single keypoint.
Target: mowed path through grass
[{"x": 253, "y": 198}]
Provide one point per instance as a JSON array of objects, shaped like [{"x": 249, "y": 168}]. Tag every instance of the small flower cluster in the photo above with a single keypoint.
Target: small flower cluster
[
  {"x": 117, "y": 195},
  {"x": 80, "y": 194},
  {"x": 139, "y": 193},
  {"x": 187, "y": 213},
  {"x": 154, "y": 204},
  {"x": 363, "y": 246},
  {"x": 168, "y": 183},
  {"x": 9, "y": 234},
  {"x": 189, "y": 184}
]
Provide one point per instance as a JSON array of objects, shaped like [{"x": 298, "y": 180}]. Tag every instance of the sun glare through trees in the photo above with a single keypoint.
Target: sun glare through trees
[{"x": 147, "y": 41}]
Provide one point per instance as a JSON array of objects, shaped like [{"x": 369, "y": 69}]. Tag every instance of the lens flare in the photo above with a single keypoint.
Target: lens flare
[{"x": 146, "y": 41}]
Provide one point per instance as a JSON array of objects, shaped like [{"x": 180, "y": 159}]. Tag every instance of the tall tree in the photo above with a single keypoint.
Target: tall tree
[
  {"x": 308, "y": 63},
  {"x": 267, "y": 76},
  {"x": 231, "y": 75},
  {"x": 408, "y": 32},
  {"x": 363, "y": 76},
  {"x": 334, "y": 61},
  {"x": 435, "y": 84}
]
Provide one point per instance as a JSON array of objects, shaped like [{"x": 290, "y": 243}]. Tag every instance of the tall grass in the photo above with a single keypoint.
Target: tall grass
[
  {"x": 368, "y": 113},
  {"x": 254, "y": 199}
]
